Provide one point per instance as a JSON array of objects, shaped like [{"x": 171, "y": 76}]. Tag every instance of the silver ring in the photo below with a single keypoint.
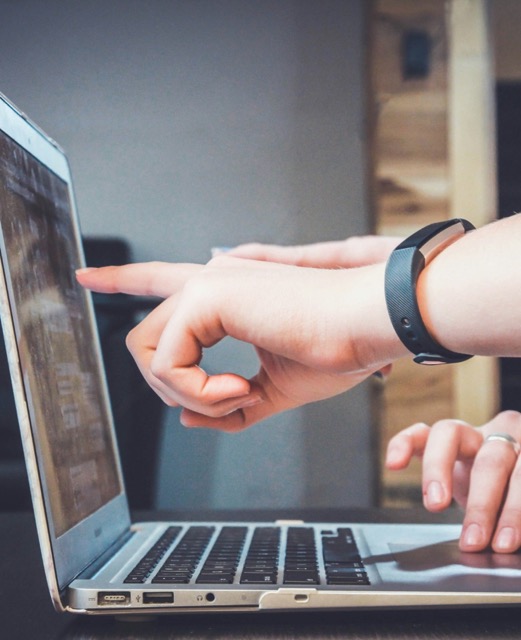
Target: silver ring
[{"x": 505, "y": 437}]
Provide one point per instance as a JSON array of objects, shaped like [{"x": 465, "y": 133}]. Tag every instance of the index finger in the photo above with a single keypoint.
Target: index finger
[
  {"x": 450, "y": 441},
  {"x": 405, "y": 445},
  {"x": 142, "y": 278}
]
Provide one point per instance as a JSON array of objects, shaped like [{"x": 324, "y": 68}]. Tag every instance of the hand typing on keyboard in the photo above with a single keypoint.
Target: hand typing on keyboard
[{"x": 479, "y": 467}]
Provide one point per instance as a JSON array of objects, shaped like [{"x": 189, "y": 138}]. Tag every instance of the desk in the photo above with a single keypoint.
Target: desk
[{"x": 20, "y": 565}]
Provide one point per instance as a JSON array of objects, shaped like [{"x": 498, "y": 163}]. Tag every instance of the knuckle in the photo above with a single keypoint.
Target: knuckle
[
  {"x": 478, "y": 513},
  {"x": 448, "y": 424},
  {"x": 490, "y": 461},
  {"x": 511, "y": 513},
  {"x": 219, "y": 261},
  {"x": 169, "y": 402},
  {"x": 300, "y": 254},
  {"x": 155, "y": 267},
  {"x": 419, "y": 425},
  {"x": 254, "y": 246},
  {"x": 215, "y": 412},
  {"x": 197, "y": 290},
  {"x": 510, "y": 418},
  {"x": 397, "y": 438},
  {"x": 131, "y": 340},
  {"x": 159, "y": 370}
]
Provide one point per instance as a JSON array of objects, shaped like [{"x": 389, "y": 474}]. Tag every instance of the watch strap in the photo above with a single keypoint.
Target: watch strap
[{"x": 403, "y": 268}]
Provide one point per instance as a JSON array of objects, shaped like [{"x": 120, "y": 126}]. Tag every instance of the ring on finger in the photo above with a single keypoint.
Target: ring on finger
[{"x": 504, "y": 437}]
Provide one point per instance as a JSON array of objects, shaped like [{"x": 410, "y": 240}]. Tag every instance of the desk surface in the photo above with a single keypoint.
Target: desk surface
[{"x": 23, "y": 582}]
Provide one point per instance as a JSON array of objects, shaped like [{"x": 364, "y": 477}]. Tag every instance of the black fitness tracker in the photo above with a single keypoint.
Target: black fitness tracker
[{"x": 401, "y": 275}]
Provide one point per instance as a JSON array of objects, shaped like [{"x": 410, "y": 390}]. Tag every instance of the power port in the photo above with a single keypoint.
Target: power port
[{"x": 113, "y": 598}]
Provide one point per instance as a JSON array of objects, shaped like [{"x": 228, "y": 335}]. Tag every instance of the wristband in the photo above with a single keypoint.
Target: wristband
[{"x": 401, "y": 276}]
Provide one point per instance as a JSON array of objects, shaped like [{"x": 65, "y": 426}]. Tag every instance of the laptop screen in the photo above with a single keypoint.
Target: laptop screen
[{"x": 55, "y": 340}]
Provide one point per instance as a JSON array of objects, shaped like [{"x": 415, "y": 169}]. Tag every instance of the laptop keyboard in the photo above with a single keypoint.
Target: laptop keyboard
[
  {"x": 261, "y": 564},
  {"x": 149, "y": 562},
  {"x": 301, "y": 566},
  {"x": 340, "y": 562},
  {"x": 222, "y": 561}
]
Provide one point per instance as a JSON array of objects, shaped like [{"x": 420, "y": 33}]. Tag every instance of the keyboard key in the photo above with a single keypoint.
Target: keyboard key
[
  {"x": 301, "y": 565},
  {"x": 212, "y": 578},
  {"x": 182, "y": 562},
  {"x": 153, "y": 557},
  {"x": 301, "y": 577},
  {"x": 344, "y": 580},
  {"x": 221, "y": 563},
  {"x": 342, "y": 560},
  {"x": 258, "y": 578},
  {"x": 261, "y": 564}
]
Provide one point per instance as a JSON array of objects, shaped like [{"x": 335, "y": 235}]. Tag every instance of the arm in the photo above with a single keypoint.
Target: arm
[
  {"x": 317, "y": 331},
  {"x": 482, "y": 476},
  {"x": 356, "y": 251},
  {"x": 470, "y": 295}
]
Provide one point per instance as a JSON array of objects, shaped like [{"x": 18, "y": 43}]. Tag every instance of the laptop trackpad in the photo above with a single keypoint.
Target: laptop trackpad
[{"x": 444, "y": 554}]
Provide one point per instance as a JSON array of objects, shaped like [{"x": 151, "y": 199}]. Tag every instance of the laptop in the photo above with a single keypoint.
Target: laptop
[{"x": 96, "y": 560}]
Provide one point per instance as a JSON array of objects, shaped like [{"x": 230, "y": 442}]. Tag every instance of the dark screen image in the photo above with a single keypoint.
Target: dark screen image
[{"x": 55, "y": 339}]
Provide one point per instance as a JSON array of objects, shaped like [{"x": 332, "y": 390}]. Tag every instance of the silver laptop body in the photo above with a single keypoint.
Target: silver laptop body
[{"x": 96, "y": 561}]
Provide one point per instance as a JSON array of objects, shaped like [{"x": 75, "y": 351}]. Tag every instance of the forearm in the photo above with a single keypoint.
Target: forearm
[
  {"x": 470, "y": 294},
  {"x": 318, "y": 332},
  {"x": 355, "y": 251}
]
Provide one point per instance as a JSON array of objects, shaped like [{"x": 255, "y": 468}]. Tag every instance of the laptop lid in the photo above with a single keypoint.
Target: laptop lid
[{"x": 54, "y": 356}]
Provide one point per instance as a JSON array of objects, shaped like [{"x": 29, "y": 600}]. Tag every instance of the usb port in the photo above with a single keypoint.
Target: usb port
[
  {"x": 158, "y": 597},
  {"x": 113, "y": 598}
]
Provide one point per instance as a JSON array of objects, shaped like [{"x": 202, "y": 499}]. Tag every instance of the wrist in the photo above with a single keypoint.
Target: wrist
[
  {"x": 372, "y": 337},
  {"x": 442, "y": 300}
]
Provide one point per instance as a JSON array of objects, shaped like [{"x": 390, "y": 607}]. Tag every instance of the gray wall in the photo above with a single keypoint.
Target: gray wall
[{"x": 199, "y": 123}]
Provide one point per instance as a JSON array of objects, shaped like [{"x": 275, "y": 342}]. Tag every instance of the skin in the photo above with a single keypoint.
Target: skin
[
  {"x": 356, "y": 251},
  {"x": 485, "y": 479},
  {"x": 318, "y": 320},
  {"x": 310, "y": 356}
]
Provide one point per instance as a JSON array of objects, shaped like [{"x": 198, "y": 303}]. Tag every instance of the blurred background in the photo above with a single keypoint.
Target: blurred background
[{"x": 191, "y": 124}]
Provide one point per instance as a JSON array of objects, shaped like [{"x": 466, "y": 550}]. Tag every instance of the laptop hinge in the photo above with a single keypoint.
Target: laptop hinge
[{"x": 107, "y": 555}]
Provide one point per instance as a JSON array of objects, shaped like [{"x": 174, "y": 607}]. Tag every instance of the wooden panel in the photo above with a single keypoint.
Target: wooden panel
[
  {"x": 472, "y": 148},
  {"x": 412, "y": 183},
  {"x": 410, "y": 135},
  {"x": 433, "y": 158}
]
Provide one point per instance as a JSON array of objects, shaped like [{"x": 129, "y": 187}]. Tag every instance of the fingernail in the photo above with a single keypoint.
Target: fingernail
[
  {"x": 393, "y": 457},
  {"x": 245, "y": 404},
  {"x": 473, "y": 535},
  {"x": 506, "y": 539},
  {"x": 435, "y": 493},
  {"x": 251, "y": 402}
]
